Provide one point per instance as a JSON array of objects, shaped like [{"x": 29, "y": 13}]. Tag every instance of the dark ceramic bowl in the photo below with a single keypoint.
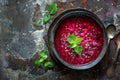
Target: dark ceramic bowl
[{"x": 54, "y": 26}]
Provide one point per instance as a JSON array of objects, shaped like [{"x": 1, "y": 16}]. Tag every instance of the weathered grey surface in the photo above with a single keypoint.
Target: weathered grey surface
[
  {"x": 21, "y": 38},
  {"x": 16, "y": 18}
]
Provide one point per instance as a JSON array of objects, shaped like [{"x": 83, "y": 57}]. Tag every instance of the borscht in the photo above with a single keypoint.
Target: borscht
[{"x": 81, "y": 27}]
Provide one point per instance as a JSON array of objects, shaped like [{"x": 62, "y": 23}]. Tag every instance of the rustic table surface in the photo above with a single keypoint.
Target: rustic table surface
[{"x": 19, "y": 67}]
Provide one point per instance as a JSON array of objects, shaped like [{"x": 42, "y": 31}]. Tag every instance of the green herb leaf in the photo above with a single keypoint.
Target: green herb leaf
[
  {"x": 37, "y": 63},
  {"x": 71, "y": 39},
  {"x": 74, "y": 40},
  {"x": 49, "y": 64},
  {"x": 78, "y": 40},
  {"x": 42, "y": 60},
  {"x": 73, "y": 45},
  {"x": 43, "y": 55},
  {"x": 53, "y": 9},
  {"x": 46, "y": 18},
  {"x": 78, "y": 49}
]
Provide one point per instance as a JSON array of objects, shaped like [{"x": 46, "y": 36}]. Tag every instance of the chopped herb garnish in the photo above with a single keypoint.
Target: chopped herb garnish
[
  {"x": 74, "y": 43},
  {"x": 78, "y": 49},
  {"x": 71, "y": 39},
  {"x": 77, "y": 40}
]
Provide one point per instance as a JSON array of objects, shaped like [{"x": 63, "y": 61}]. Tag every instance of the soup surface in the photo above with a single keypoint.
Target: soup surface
[{"x": 81, "y": 27}]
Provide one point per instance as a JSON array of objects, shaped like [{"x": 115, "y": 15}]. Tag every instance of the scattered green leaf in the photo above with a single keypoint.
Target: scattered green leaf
[
  {"x": 53, "y": 9},
  {"x": 78, "y": 49},
  {"x": 46, "y": 18},
  {"x": 42, "y": 60},
  {"x": 49, "y": 64},
  {"x": 44, "y": 57},
  {"x": 37, "y": 63},
  {"x": 43, "y": 54}
]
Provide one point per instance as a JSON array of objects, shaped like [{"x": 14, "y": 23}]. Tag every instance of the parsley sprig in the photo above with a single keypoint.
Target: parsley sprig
[{"x": 74, "y": 43}]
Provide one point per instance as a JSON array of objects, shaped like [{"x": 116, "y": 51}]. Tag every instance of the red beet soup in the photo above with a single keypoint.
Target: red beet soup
[{"x": 82, "y": 27}]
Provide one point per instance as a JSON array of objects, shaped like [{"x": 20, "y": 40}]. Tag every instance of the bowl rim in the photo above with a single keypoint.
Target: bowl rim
[{"x": 51, "y": 33}]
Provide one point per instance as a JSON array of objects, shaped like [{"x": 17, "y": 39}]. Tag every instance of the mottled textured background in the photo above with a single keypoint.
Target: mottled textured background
[{"x": 23, "y": 35}]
